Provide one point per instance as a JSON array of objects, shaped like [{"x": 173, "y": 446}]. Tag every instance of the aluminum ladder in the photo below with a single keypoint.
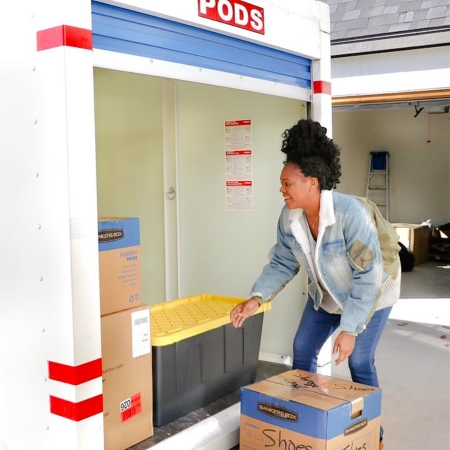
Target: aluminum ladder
[{"x": 377, "y": 188}]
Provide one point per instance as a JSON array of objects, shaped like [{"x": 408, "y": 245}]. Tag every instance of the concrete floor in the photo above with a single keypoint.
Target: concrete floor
[{"x": 413, "y": 362}]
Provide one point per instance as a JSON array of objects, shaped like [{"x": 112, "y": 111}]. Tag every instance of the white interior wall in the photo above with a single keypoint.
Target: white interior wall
[
  {"x": 220, "y": 252},
  {"x": 223, "y": 252},
  {"x": 129, "y": 164},
  {"x": 419, "y": 171}
]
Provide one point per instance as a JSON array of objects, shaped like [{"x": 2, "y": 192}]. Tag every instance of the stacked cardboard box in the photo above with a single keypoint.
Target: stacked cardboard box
[
  {"x": 416, "y": 238},
  {"x": 126, "y": 336},
  {"x": 301, "y": 410},
  {"x": 127, "y": 377},
  {"x": 120, "y": 263}
]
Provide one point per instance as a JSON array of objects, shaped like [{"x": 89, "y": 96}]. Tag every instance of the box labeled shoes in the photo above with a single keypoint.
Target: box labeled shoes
[{"x": 302, "y": 410}]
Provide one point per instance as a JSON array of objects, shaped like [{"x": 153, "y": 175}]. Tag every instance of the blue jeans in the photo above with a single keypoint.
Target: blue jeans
[{"x": 317, "y": 326}]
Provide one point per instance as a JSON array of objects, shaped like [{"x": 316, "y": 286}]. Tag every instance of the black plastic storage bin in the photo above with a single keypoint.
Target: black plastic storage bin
[{"x": 198, "y": 356}]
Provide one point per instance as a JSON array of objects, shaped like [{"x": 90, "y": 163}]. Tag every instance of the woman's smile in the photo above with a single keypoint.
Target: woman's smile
[{"x": 295, "y": 187}]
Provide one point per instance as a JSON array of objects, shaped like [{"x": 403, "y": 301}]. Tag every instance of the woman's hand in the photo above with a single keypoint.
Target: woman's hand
[
  {"x": 343, "y": 345},
  {"x": 243, "y": 311}
]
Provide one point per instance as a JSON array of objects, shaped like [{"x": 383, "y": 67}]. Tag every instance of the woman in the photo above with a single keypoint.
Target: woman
[{"x": 353, "y": 282}]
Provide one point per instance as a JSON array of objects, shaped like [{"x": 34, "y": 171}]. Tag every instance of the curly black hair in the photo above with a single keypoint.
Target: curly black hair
[{"x": 306, "y": 145}]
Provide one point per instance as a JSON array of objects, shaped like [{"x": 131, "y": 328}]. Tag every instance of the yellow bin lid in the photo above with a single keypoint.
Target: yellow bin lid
[{"x": 180, "y": 319}]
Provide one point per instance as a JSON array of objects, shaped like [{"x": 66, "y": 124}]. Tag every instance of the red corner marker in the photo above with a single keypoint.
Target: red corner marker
[
  {"x": 75, "y": 375},
  {"x": 76, "y": 411},
  {"x": 64, "y": 35},
  {"x": 322, "y": 87}
]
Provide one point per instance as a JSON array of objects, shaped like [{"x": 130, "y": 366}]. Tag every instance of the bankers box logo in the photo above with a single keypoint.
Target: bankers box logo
[
  {"x": 105, "y": 236},
  {"x": 278, "y": 412},
  {"x": 356, "y": 427}
]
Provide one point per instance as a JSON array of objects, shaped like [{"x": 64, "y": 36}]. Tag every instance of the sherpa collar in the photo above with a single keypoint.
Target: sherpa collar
[{"x": 326, "y": 218}]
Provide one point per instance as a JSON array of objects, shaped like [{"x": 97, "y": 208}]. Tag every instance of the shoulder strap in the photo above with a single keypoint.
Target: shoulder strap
[{"x": 387, "y": 236}]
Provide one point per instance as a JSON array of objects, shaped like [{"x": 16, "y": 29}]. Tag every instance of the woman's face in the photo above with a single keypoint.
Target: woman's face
[{"x": 297, "y": 189}]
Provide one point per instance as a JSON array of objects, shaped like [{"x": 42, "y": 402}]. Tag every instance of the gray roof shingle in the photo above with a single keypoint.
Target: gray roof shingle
[{"x": 365, "y": 19}]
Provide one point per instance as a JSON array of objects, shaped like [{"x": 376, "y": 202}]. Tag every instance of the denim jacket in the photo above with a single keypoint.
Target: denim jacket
[{"x": 348, "y": 256}]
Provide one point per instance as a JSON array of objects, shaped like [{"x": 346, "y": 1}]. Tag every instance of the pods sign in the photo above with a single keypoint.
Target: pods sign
[{"x": 233, "y": 12}]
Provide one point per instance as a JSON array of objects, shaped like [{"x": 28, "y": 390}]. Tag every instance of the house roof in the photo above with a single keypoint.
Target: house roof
[{"x": 365, "y": 26}]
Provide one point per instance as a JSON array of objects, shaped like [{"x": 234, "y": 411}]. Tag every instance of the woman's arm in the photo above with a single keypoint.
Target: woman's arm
[{"x": 282, "y": 266}]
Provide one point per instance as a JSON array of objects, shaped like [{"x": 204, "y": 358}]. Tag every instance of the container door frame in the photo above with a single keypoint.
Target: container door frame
[{"x": 115, "y": 53}]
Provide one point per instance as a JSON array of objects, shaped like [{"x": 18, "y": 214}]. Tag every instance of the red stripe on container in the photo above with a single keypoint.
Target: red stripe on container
[
  {"x": 76, "y": 411},
  {"x": 75, "y": 375},
  {"x": 64, "y": 35},
  {"x": 322, "y": 87}
]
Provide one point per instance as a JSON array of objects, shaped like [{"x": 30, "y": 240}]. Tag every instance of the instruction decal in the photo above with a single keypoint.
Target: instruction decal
[{"x": 239, "y": 165}]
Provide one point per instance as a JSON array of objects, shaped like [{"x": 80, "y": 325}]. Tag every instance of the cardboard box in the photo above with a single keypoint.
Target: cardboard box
[
  {"x": 120, "y": 263},
  {"x": 301, "y": 410},
  {"x": 416, "y": 238},
  {"x": 127, "y": 377}
]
